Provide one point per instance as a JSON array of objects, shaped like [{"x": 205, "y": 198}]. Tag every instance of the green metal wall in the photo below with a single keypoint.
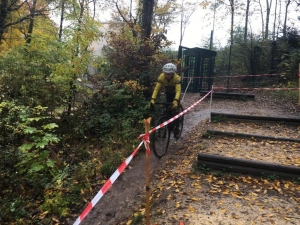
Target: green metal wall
[{"x": 197, "y": 68}]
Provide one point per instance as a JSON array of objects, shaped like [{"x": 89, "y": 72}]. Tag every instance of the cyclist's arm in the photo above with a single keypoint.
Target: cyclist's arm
[
  {"x": 156, "y": 90},
  {"x": 177, "y": 88}
]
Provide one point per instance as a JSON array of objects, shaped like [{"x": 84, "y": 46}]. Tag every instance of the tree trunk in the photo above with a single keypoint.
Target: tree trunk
[
  {"x": 232, "y": 21},
  {"x": 275, "y": 18},
  {"x": 279, "y": 19},
  {"x": 231, "y": 40},
  {"x": 246, "y": 20},
  {"x": 269, "y": 4},
  {"x": 181, "y": 28},
  {"x": 31, "y": 22},
  {"x": 61, "y": 19},
  {"x": 146, "y": 49},
  {"x": 285, "y": 17},
  {"x": 76, "y": 54},
  {"x": 3, "y": 15},
  {"x": 147, "y": 17}
]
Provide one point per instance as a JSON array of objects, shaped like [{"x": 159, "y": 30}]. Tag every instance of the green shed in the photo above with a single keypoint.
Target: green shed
[{"x": 197, "y": 68}]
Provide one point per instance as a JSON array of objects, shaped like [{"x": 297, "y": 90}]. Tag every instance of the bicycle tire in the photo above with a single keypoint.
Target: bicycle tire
[
  {"x": 180, "y": 123},
  {"x": 160, "y": 139}
]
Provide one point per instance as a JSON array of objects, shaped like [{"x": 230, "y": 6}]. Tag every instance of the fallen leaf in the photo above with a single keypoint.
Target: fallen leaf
[
  {"x": 213, "y": 191},
  {"x": 226, "y": 192},
  {"x": 236, "y": 195},
  {"x": 191, "y": 209}
]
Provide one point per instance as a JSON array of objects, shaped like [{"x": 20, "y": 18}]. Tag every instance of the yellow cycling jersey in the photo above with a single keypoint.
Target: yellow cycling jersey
[{"x": 172, "y": 86}]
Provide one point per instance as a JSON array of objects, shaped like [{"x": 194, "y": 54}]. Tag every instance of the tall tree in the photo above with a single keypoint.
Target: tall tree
[
  {"x": 32, "y": 10},
  {"x": 24, "y": 12},
  {"x": 279, "y": 19},
  {"x": 62, "y": 13},
  {"x": 232, "y": 6},
  {"x": 268, "y": 11},
  {"x": 147, "y": 17},
  {"x": 246, "y": 20},
  {"x": 3, "y": 16},
  {"x": 275, "y": 20},
  {"x": 232, "y": 9},
  {"x": 287, "y": 4}
]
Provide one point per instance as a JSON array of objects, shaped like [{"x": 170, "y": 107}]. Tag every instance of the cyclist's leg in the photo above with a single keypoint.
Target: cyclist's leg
[
  {"x": 169, "y": 99},
  {"x": 175, "y": 124}
]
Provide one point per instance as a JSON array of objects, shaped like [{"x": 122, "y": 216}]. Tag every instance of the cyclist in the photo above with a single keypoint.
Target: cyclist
[{"x": 172, "y": 84}]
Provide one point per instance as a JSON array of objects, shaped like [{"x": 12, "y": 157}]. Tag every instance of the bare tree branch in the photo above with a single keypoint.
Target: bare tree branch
[
  {"x": 28, "y": 17},
  {"x": 122, "y": 15}
]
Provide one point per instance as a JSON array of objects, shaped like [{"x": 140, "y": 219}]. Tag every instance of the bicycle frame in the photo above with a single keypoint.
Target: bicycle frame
[{"x": 160, "y": 138}]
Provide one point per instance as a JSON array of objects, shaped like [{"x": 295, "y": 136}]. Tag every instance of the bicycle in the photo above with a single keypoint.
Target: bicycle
[{"x": 160, "y": 139}]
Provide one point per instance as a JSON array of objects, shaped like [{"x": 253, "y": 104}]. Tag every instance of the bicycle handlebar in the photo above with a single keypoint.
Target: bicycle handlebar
[{"x": 163, "y": 103}]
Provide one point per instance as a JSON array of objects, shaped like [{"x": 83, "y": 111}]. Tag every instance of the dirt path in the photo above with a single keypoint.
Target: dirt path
[{"x": 178, "y": 194}]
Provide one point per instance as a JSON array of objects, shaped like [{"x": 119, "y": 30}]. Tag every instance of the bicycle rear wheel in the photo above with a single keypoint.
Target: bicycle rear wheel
[
  {"x": 160, "y": 139},
  {"x": 180, "y": 123}
]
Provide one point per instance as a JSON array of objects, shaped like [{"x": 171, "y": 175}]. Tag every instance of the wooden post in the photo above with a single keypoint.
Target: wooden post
[{"x": 147, "y": 128}]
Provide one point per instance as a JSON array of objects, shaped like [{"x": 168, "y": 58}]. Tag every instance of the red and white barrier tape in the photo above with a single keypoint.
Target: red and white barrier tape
[
  {"x": 239, "y": 76},
  {"x": 121, "y": 168},
  {"x": 106, "y": 186},
  {"x": 252, "y": 89},
  {"x": 146, "y": 142}
]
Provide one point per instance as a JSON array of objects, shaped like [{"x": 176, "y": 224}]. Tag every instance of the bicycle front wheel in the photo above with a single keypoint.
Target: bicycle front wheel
[
  {"x": 179, "y": 123},
  {"x": 160, "y": 139}
]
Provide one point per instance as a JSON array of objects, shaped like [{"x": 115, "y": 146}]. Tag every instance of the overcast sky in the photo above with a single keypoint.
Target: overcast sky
[{"x": 198, "y": 31}]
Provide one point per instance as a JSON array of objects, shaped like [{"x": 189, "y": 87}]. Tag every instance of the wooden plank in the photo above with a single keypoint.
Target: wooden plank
[
  {"x": 246, "y": 170},
  {"x": 246, "y": 166},
  {"x": 250, "y": 136},
  {"x": 253, "y": 118}
]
